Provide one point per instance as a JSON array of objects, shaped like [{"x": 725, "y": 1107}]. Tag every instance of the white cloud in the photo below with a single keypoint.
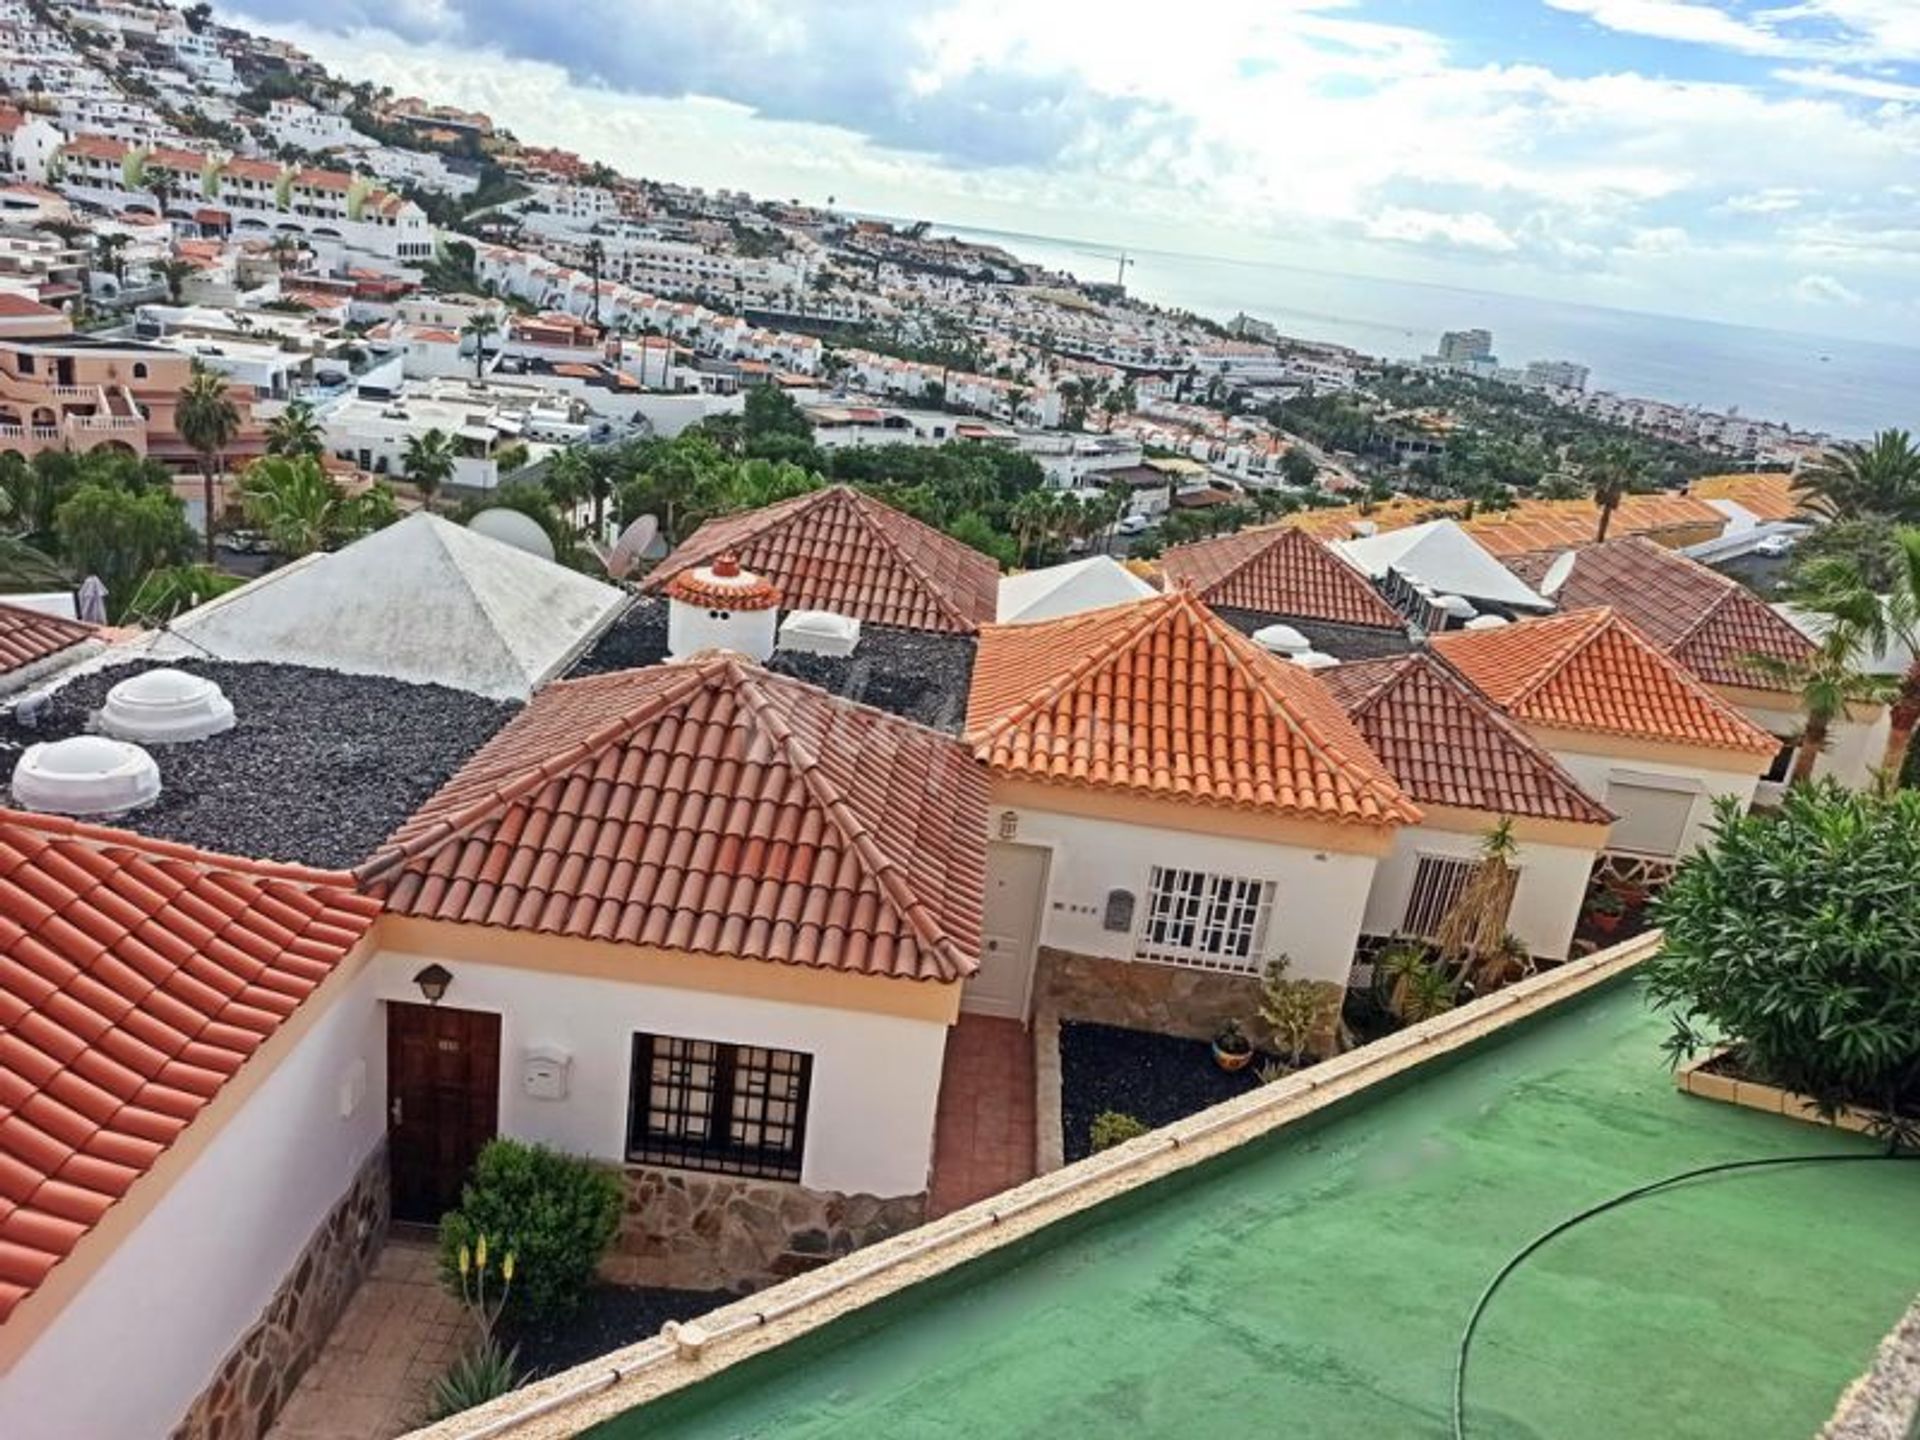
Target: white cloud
[
  {"x": 1825, "y": 290},
  {"x": 1471, "y": 231},
  {"x": 1774, "y": 200},
  {"x": 1682, "y": 20},
  {"x": 1866, "y": 86}
]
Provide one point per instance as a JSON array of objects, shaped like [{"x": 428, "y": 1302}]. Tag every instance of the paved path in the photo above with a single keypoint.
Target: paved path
[
  {"x": 372, "y": 1381},
  {"x": 983, "y": 1140}
]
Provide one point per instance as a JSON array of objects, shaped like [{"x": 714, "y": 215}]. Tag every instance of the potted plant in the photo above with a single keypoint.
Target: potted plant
[
  {"x": 1605, "y": 911},
  {"x": 1231, "y": 1048}
]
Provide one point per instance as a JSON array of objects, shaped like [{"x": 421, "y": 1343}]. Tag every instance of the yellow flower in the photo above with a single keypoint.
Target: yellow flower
[
  {"x": 480, "y": 1253},
  {"x": 466, "y": 1259},
  {"x": 506, "y": 1267}
]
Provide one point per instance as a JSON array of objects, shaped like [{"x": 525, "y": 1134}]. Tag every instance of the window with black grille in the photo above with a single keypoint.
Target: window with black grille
[{"x": 705, "y": 1105}]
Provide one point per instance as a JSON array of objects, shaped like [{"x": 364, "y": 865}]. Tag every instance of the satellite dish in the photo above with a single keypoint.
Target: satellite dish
[
  {"x": 1558, "y": 573},
  {"x": 631, "y": 545},
  {"x": 511, "y": 527}
]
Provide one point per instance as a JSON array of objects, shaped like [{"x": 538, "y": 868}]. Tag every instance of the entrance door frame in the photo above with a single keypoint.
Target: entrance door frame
[
  {"x": 1023, "y": 1011},
  {"x": 463, "y": 1111}
]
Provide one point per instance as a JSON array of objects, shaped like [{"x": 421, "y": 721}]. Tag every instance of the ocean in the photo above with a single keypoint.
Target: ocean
[{"x": 1848, "y": 388}]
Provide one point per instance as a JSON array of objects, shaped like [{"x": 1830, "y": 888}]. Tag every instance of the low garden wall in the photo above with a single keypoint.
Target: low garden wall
[
  {"x": 692, "y": 1231},
  {"x": 260, "y": 1372}
]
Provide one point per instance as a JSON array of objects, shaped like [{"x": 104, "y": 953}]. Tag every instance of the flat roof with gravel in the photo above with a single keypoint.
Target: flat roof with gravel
[{"x": 1315, "y": 1282}]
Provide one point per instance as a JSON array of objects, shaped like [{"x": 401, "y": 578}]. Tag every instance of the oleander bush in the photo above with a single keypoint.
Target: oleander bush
[
  {"x": 1795, "y": 939},
  {"x": 555, "y": 1213}
]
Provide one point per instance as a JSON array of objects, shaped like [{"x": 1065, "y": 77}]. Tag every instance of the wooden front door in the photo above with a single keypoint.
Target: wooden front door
[{"x": 443, "y": 1102}]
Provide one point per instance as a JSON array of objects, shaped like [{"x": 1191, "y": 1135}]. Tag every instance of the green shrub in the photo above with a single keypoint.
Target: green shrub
[
  {"x": 1111, "y": 1128},
  {"x": 1796, "y": 938},
  {"x": 556, "y": 1213}
]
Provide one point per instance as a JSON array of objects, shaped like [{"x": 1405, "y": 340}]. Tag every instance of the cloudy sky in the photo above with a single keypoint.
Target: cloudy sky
[{"x": 1750, "y": 160}]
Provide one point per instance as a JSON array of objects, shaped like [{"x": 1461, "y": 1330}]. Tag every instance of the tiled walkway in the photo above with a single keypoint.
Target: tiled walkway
[
  {"x": 983, "y": 1141},
  {"x": 399, "y": 1334}
]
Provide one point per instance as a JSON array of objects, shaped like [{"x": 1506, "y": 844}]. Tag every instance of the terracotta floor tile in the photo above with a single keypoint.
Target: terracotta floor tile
[{"x": 983, "y": 1141}]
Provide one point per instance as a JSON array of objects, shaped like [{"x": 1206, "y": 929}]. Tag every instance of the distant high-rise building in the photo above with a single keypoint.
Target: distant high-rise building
[
  {"x": 1557, "y": 374},
  {"x": 1459, "y": 347}
]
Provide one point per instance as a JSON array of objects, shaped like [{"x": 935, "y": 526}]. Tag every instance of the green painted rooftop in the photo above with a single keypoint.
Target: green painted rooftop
[{"x": 1315, "y": 1282}]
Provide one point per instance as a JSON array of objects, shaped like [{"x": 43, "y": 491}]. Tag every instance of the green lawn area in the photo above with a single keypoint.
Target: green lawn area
[{"x": 1315, "y": 1284}]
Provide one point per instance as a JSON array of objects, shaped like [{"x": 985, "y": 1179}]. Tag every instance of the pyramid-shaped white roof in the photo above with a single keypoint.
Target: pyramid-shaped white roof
[
  {"x": 1090, "y": 584},
  {"x": 424, "y": 600},
  {"x": 1446, "y": 558}
]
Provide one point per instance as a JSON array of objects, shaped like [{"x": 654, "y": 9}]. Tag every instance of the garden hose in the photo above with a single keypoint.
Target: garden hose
[{"x": 1519, "y": 1257}]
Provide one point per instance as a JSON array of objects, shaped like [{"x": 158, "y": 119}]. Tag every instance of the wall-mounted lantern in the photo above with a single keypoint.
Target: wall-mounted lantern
[{"x": 433, "y": 981}]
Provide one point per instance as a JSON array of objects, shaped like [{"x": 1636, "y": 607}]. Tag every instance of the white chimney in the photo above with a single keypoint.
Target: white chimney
[{"x": 721, "y": 607}]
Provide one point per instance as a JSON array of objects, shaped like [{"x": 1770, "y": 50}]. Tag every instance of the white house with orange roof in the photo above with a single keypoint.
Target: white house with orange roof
[
  {"x": 28, "y": 143},
  {"x": 1172, "y": 808},
  {"x": 1639, "y": 732}
]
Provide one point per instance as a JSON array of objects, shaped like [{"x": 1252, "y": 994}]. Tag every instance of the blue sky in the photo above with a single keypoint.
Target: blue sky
[{"x": 1748, "y": 160}]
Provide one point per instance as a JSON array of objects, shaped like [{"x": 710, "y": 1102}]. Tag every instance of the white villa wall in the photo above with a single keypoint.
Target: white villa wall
[
  {"x": 876, "y": 1078},
  {"x": 1546, "y": 901},
  {"x": 1593, "y": 771},
  {"x": 1320, "y": 896},
  {"x": 1854, "y": 748},
  {"x": 130, "y": 1352}
]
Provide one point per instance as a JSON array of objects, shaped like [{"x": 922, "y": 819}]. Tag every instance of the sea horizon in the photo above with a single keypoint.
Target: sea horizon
[{"x": 1845, "y": 387}]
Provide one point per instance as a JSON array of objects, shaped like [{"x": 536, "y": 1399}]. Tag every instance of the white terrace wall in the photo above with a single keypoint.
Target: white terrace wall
[
  {"x": 876, "y": 1078},
  {"x": 1546, "y": 902},
  {"x": 128, "y": 1354},
  {"x": 1854, "y": 750}
]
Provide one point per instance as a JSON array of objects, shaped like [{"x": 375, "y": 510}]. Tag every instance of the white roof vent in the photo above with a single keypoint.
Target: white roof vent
[
  {"x": 1315, "y": 660},
  {"x": 1282, "y": 640},
  {"x": 165, "y": 707},
  {"x": 86, "y": 775},
  {"x": 819, "y": 632},
  {"x": 1457, "y": 606},
  {"x": 1486, "y": 622}
]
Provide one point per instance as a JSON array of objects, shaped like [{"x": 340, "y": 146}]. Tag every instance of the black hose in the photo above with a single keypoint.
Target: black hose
[{"x": 1639, "y": 1191}]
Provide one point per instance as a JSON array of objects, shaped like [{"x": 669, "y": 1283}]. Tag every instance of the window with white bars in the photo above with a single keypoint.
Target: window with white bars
[
  {"x": 705, "y": 1105},
  {"x": 1211, "y": 922},
  {"x": 1437, "y": 883}
]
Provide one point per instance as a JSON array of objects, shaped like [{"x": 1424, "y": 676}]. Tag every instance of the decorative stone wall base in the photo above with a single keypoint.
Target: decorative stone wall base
[
  {"x": 1168, "y": 999},
  {"x": 693, "y": 1231},
  {"x": 260, "y": 1372}
]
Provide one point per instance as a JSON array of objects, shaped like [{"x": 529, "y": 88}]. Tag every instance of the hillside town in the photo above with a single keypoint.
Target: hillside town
[{"x": 609, "y": 779}]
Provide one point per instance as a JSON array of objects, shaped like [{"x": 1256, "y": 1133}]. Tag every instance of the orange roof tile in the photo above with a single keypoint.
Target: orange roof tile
[
  {"x": 1447, "y": 745},
  {"x": 1592, "y": 670},
  {"x": 1707, "y": 622},
  {"x": 1161, "y": 697},
  {"x": 28, "y": 636},
  {"x": 709, "y": 806},
  {"x": 1526, "y": 526},
  {"x": 1768, "y": 497},
  {"x": 837, "y": 549},
  {"x": 725, "y": 585},
  {"x": 1282, "y": 572},
  {"x": 136, "y": 978}
]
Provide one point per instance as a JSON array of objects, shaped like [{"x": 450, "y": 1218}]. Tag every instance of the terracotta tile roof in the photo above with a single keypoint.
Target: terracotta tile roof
[
  {"x": 1161, "y": 697},
  {"x": 1768, "y": 497},
  {"x": 1279, "y": 572},
  {"x": 27, "y": 637},
  {"x": 837, "y": 549},
  {"x": 136, "y": 978},
  {"x": 1447, "y": 745},
  {"x": 712, "y": 807},
  {"x": 1526, "y": 526},
  {"x": 724, "y": 585},
  {"x": 1707, "y": 622},
  {"x": 1592, "y": 670}
]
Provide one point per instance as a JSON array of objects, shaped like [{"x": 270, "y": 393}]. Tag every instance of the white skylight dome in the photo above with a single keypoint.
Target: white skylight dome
[
  {"x": 1282, "y": 640},
  {"x": 1486, "y": 622},
  {"x": 87, "y": 775},
  {"x": 819, "y": 632},
  {"x": 166, "y": 707},
  {"x": 1315, "y": 660},
  {"x": 1457, "y": 606}
]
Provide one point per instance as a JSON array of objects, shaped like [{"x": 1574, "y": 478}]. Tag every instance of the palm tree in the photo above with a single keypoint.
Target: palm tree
[
  {"x": 285, "y": 250},
  {"x": 1828, "y": 681},
  {"x": 110, "y": 254},
  {"x": 483, "y": 324},
  {"x": 1475, "y": 925},
  {"x": 427, "y": 463},
  {"x": 596, "y": 256},
  {"x": 1835, "y": 589},
  {"x": 1613, "y": 473},
  {"x": 207, "y": 420},
  {"x": 294, "y": 431},
  {"x": 1879, "y": 478},
  {"x": 295, "y": 502},
  {"x": 176, "y": 272}
]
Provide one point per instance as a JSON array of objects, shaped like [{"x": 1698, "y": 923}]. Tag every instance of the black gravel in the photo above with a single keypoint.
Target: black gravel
[
  {"x": 1344, "y": 642},
  {"x": 1157, "y": 1079},
  {"x": 609, "y": 1317},
  {"x": 319, "y": 768},
  {"x": 915, "y": 674}
]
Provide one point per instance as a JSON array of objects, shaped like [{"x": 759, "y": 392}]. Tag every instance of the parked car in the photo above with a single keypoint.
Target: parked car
[
  {"x": 1775, "y": 545},
  {"x": 1133, "y": 525}
]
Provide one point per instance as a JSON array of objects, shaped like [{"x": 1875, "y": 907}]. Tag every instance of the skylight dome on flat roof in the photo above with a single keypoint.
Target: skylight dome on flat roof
[
  {"x": 85, "y": 775},
  {"x": 1282, "y": 640},
  {"x": 166, "y": 707}
]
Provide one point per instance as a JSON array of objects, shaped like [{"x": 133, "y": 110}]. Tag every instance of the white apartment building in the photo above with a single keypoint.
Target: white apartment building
[
  {"x": 373, "y": 430},
  {"x": 416, "y": 167},
  {"x": 581, "y": 204},
  {"x": 296, "y": 123}
]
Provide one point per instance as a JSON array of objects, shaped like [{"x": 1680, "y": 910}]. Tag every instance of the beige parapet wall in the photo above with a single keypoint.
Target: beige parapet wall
[{"x": 684, "y": 1355}]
